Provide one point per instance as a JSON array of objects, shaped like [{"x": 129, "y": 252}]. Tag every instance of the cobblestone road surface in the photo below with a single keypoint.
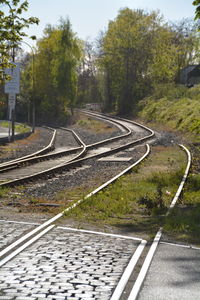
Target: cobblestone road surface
[{"x": 67, "y": 265}]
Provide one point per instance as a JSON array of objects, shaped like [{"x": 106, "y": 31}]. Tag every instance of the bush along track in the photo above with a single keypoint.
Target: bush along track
[{"x": 177, "y": 108}]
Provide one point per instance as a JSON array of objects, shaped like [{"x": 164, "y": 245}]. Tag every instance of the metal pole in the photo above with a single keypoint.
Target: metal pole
[
  {"x": 12, "y": 113},
  {"x": 33, "y": 82}
]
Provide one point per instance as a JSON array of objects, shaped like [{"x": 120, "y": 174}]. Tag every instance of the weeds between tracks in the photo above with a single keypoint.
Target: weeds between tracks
[{"x": 138, "y": 201}]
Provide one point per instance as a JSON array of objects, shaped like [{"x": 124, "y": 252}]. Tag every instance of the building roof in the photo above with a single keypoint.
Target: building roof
[{"x": 194, "y": 72}]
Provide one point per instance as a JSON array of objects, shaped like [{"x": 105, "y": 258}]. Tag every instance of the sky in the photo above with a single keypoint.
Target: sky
[{"x": 89, "y": 17}]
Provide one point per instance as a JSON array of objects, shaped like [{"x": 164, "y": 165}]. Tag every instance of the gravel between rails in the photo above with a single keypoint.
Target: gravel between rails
[
  {"x": 91, "y": 174},
  {"x": 90, "y": 137},
  {"x": 65, "y": 139}
]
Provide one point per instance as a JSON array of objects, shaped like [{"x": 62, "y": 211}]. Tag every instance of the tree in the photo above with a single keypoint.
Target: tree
[
  {"x": 66, "y": 58},
  {"x": 140, "y": 51},
  {"x": 197, "y": 12},
  {"x": 137, "y": 50},
  {"x": 57, "y": 57},
  {"x": 12, "y": 25},
  {"x": 187, "y": 43},
  {"x": 88, "y": 90}
]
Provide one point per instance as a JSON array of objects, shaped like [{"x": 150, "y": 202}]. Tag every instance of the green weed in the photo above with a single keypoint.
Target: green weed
[
  {"x": 193, "y": 182},
  {"x": 4, "y": 124},
  {"x": 20, "y": 128},
  {"x": 184, "y": 223},
  {"x": 3, "y": 192},
  {"x": 33, "y": 200},
  {"x": 94, "y": 125}
]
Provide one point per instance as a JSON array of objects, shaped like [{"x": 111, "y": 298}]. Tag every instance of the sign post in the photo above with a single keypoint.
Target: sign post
[
  {"x": 11, "y": 109},
  {"x": 12, "y": 87},
  {"x": 11, "y": 102}
]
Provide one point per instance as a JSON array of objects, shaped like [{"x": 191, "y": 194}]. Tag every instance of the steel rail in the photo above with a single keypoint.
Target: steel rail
[
  {"x": 7, "y": 252},
  {"x": 74, "y": 163}
]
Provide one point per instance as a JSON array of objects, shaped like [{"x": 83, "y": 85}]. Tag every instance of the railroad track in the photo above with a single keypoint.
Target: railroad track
[
  {"x": 88, "y": 277},
  {"x": 48, "y": 165},
  {"x": 41, "y": 154}
]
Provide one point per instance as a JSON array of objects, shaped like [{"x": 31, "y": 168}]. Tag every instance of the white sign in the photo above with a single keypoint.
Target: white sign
[
  {"x": 12, "y": 86},
  {"x": 11, "y": 101}
]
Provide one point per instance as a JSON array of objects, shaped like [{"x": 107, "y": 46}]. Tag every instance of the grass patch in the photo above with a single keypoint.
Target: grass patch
[
  {"x": 4, "y": 124},
  {"x": 137, "y": 200},
  {"x": 69, "y": 197},
  {"x": 20, "y": 128},
  {"x": 3, "y": 192},
  {"x": 94, "y": 125},
  {"x": 184, "y": 221}
]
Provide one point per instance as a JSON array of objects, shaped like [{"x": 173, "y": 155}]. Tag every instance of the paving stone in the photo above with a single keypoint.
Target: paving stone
[
  {"x": 29, "y": 283},
  {"x": 103, "y": 289},
  {"x": 62, "y": 285},
  {"x": 73, "y": 298},
  {"x": 9, "y": 290},
  {"x": 21, "y": 294},
  {"x": 15, "y": 295},
  {"x": 25, "y": 298},
  {"x": 66, "y": 294},
  {"x": 4, "y": 285},
  {"x": 57, "y": 297},
  {"x": 36, "y": 295},
  {"x": 45, "y": 284},
  {"x": 78, "y": 281},
  {"x": 52, "y": 297},
  {"x": 97, "y": 283},
  {"x": 83, "y": 287},
  {"x": 55, "y": 290},
  {"x": 84, "y": 295},
  {"x": 66, "y": 265}
]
